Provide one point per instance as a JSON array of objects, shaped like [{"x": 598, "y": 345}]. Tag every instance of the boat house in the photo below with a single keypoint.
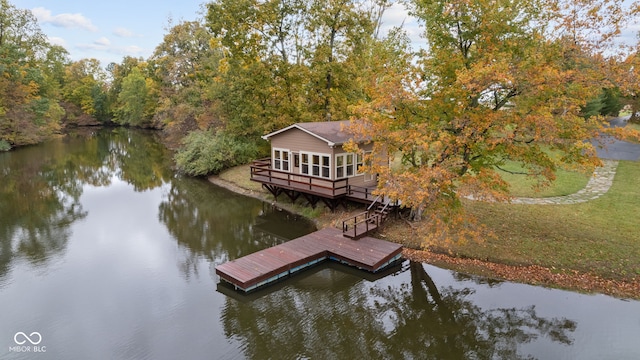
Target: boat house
[{"x": 309, "y": 160}]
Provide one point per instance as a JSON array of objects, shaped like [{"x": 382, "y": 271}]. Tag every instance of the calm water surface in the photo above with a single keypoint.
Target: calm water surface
[{"x": 105, "y": 253}]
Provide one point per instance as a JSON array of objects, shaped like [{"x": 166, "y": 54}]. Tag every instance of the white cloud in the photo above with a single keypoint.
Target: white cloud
[
  {"x": 103, "y": 44},
  {"x": 132, "y": 50},
  {"x": 64, "y": 20},
  {"x": 123, "y": 32},
  {"x": 103, "y": 41}
]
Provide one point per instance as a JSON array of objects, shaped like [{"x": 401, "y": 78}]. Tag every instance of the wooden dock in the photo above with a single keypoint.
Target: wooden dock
[{"x": 269, "y": 265}]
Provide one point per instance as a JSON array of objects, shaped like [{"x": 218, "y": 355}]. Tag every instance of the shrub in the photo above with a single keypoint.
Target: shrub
[
  {"x": 4, "y": 146},
  {"x": 203, "y": 152}
]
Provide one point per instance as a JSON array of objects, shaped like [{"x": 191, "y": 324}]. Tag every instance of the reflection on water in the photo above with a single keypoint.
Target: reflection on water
[
  {"x": 108, "y": 254},
  {"x": 414, "y": 319},
  {"x": 219, "y": 226}
]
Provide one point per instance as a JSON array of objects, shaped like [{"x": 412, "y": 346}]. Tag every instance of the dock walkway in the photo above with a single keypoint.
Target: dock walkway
[{"x": 269, "y": 265}]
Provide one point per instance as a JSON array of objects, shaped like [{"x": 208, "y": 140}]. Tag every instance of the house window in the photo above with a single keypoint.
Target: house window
[
  {"x": 281, "y": 159},
  {"x": 326, "y": 167},
  {"x": 360, "y": 162},
  {"x": 305, "y": 164},
  {"x": 344, "y": 165},
  {"x": 315, "y": 165}
]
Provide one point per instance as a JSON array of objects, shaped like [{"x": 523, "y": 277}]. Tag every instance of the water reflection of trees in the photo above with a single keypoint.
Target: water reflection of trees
[
  {"x": 219, "y": 225},
  {"x": 40, "y": 186},
  {"x": 140, "y": 159},
  {"x": 37, "y": 204},
  {"x": 410, "y": 320}
]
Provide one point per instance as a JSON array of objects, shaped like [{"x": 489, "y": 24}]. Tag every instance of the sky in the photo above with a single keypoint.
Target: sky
[{"x": 110, "y": 30}]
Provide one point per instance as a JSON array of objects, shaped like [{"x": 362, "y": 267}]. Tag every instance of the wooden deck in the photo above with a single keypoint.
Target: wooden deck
[
  {"x": 269, "y": 265},
  {"x": 280, "y": 181}
]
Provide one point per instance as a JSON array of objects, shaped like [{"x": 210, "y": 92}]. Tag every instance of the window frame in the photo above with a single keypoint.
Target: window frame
[
  {"x": 316, "y": 169},
  {"x": 352, "y": 164},
  {"x": 282, "y": 163}
]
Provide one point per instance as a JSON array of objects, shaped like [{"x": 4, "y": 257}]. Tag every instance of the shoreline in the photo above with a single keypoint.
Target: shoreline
[{"x": 535, "y": 275}]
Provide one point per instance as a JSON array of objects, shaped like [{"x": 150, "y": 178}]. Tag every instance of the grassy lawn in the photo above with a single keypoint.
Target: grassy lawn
[
  {"x": 240, "y": 175},
  {"x": 601, "y": 236},
  {"x": 566, "y": 183}
]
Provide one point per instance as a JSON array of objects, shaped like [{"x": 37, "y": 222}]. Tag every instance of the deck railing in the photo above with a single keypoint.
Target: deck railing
[
  {"x": 261, "y": 171},
  {"x": 360, "y": 225},
  {"x": 362, "y": 192}
]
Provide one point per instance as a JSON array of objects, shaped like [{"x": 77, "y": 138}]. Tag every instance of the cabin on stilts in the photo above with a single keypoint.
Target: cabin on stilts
[{"x": 309, "y": 160}]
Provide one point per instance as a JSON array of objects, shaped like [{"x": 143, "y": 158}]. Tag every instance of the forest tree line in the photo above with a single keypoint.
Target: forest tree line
[{"x": 247, "y": 68}]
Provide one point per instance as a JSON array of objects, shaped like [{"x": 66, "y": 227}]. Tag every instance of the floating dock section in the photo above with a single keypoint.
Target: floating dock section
[{"x": 269, "y": 265}]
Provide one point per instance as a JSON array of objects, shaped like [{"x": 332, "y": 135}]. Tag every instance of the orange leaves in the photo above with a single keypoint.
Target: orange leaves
[{"x": 497, "y": 84}]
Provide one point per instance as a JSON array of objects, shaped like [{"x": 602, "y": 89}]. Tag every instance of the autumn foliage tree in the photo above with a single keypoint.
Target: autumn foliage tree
[
  {"x": 500, "y": 81},
  {"x": 287, "y": 61},
  {"x": 29, "y": 111},
  {"x": 184, "y": 66},
  {"x": 84, "y": 92}
]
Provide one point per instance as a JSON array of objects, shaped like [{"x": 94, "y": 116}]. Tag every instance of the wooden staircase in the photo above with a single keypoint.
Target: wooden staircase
[{"x": 366, "y": 222}]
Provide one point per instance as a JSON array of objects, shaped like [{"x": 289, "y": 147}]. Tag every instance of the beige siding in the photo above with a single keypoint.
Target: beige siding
[{"x": 297, "y": 140}]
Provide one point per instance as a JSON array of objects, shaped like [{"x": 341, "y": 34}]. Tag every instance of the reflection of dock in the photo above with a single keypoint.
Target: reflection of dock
[{"x": 272, "y": 264}]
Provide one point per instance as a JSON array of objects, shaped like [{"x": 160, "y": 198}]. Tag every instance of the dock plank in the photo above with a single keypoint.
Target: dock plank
[{"x": 282, "y": 260}]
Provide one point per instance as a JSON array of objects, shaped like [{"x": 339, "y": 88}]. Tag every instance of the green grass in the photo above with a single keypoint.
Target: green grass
[
  {"x": 566, "y": 183},
  {"x": 601, "y": 236},
  {"x": 240, "y": 175}
]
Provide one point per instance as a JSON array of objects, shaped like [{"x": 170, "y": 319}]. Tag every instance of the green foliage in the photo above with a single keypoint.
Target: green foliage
[
  {"x": 607, "y": 103},
  {"x": 290, "y": 61},
  {"x": 29, "y": 112},
  {"x": 132, "y": 99},
  {"x": 611, "y": 103},
  {"x": 593, "y": 107},
  {"x": 204, "y": 152},
  {"x": 83, "y": 85},
  {"x": 4, "y": 146},
  {"x": 184, "y": 67}
]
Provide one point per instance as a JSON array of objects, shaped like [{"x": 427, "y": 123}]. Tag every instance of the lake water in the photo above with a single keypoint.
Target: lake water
[{"x": 106, "y": 253}]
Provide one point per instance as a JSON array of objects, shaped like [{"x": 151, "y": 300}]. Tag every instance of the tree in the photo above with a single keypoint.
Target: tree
[
  {"x": 500, "y": 81},
  {"x": 135, "y": 100},
  {"x": 84, "y": 91},
  {"x": 184, "y": 66},
  {"x": 289, "y": 61},
  {"x": 29, "y": 111},
  {"x": 627, "y": 75}
]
